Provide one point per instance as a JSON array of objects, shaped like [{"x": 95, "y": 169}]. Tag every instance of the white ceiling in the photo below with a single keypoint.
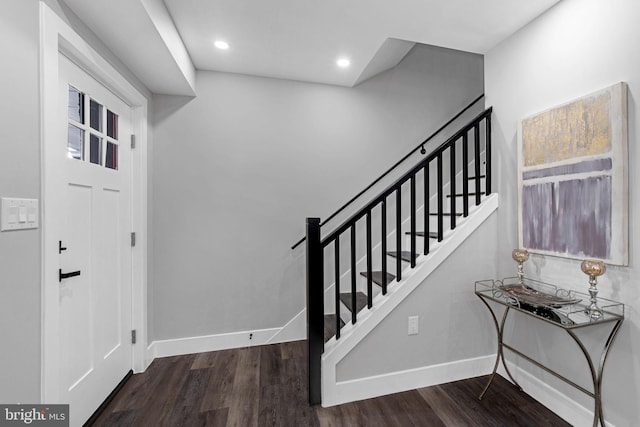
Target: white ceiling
[{"x": 291, "y": 39}]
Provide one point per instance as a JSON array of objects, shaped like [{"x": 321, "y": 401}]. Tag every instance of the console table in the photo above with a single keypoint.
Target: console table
[{"x": 558, "y": 307}]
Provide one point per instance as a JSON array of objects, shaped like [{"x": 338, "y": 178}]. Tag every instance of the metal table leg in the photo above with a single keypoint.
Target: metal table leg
[
  {"x": 500, "y": 352},
  {"x": 596, "y": 377}
]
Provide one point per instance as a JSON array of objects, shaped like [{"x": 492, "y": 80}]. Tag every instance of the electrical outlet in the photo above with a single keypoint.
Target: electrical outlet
[{"x": 414, "y": 321}]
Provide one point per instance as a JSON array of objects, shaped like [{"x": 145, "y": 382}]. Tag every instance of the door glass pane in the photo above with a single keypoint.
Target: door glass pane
[
  {"x": 112, "y": 124},
  {"x": 75, "y": 136},
  {"x": 76, "y": 105},
  {"x": 112, "y": 156},
  {"x": 95, "y": 150},
  {"x": 95, "y": 117}
]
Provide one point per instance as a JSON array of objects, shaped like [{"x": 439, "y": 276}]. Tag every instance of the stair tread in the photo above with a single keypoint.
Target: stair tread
[
  {"x": 444, "y": 213},
  {"x": 432, "y": 234},
  {"x": 405, "y": 255},
  {"x": 376, "y": 277},
  {"x": 361, "y": 300},
  {"x": 473, "y": 177},
  {"x": 330, "y": 326}
]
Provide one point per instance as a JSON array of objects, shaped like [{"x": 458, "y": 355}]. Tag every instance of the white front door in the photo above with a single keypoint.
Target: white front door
[{"x": 92, "y": 168}]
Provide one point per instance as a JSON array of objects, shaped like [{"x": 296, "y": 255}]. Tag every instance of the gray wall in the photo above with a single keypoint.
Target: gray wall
[
  {"x": 20, "y": 177},
  {"x": 237, "y": 169},
  {"x": 578, "y": 47}
]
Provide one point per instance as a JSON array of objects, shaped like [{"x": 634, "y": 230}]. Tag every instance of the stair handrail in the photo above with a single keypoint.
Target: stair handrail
[
  {"x": 405, "y": 177},
  {"x": 388, "y": 171}
]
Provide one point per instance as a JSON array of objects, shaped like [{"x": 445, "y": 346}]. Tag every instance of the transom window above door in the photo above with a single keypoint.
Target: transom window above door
[{"x": 92, "y": 135}]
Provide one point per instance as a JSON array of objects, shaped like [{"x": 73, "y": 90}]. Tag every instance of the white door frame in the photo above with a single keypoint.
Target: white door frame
[{"x": 57, "y": 36}]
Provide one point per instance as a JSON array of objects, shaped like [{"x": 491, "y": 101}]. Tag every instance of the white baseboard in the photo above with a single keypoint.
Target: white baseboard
[
  {"x": 395, "y": 382},
  {"x": 175, "y": 347},
  {"x": 558, "y": 402},
  {"x": 294, "y": 330}
]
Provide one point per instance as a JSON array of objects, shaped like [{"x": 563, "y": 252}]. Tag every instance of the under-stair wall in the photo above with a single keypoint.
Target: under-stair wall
[{"x": 453, "y": 340}]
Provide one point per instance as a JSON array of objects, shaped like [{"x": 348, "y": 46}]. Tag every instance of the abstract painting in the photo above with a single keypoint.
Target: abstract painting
[{"x": 572, "y": 176}]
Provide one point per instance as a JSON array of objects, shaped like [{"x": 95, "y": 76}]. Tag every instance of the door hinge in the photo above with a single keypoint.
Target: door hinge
[
  {"x": 133, "y": 141},
  {"x": 133, "y": 336},
  {"x": 133, "y": 239}
]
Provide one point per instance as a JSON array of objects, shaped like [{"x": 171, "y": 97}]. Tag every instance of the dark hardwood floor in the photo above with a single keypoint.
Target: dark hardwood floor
[{"x": 266, "y": 386}]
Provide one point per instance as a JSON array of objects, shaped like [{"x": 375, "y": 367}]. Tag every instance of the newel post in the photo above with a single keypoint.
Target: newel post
[{"x": 315, "y": 308}]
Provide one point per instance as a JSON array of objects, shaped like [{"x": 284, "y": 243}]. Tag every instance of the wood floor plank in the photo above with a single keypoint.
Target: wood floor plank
[
  {"x": 445, "y": 407},
  {"x": 138, "y": 390},
  {"x": 243, "y": 410},
  {"x": 118, "y": 419},
  {"x": 162, "y": 400},
  {"x": 186, "y": 409},
  {"x": 267, "y": 386},
  {"x": 271, "y": 365},
  {"x": 371, "y": 413},
  {"x": 522, "y": 406},
  {"x": 418, "y": 410},
  {"x": 346, "y": 415},
  {"x": 217, "y": 418},
  {"x": 293, "y": 349},
  {"x": 221, "y": 381}
]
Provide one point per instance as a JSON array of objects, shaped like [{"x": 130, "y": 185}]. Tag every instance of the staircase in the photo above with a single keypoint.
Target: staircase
[{"x": 389, "y": 246}]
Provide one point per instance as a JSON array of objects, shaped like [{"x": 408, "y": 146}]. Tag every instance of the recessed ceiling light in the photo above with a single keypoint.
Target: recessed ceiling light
[
  {"x": 343, "y": 62},
  {"x": 221, "y": 44}
]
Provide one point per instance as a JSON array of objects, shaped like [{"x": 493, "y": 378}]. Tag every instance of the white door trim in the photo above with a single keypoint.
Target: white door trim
[{"x": 57, "y": 36}]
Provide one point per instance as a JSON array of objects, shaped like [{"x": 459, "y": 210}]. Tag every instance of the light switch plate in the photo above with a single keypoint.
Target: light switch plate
[{"x": 19, "y": 214}]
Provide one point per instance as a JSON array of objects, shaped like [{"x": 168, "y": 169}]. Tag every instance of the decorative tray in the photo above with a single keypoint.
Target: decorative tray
[{"x": 537, "y": 298}]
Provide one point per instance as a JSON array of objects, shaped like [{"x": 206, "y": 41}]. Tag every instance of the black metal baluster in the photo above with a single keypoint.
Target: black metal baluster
[
  {"x": 413, "y": 221},
  {"x": 465, "y": 175},
  {"x": 476, "y": 160},
  {"x": 369, "y": 263},
  {"x": 398, "y": 233},
  {"x": 440, "y": 201},
  {"x": 353, "y": 273},
  {"x": 315, "y": 308},
  {"x": 337, "y": 283},
  {"x": 384, "y": 246},
  {"x": 426, "y": 208},
  {"x": 452, "y": 182},
  {"x": 487, "y": 169}
]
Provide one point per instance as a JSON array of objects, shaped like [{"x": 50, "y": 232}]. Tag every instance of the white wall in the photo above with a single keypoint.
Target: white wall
[
  {"x": 577, "y": 47},
  {"x": 19, "y": 177},
  {"x": 238, "y": 168}
]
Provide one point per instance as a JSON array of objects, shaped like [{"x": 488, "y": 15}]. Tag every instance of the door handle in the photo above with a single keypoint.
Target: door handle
[{"x": 62, "y": 275}]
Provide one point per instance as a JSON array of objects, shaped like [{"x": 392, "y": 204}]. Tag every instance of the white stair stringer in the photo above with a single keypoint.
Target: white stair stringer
[{"x": 334, "y": 392}]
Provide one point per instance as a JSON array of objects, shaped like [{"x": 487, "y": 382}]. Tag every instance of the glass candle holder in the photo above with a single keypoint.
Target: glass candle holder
[
  {"x": 593, "y": 268},
  {"x": 520, "y": 256}
]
